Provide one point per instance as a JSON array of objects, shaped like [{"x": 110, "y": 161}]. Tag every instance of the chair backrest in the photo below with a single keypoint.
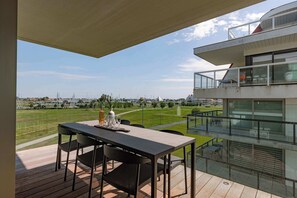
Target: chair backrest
[
  {"x": 84, "y": 140},
  {"x": 137, "y": 125},
  {"x": 117, "y": 154},
  {"x": 65, "y": 131},
  {"x": 126, "y": 122},
  {"x": 172, "y": 131}
]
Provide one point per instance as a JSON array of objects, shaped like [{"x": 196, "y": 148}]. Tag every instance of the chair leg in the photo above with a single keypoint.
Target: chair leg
[
  {"x": 66, "y": 168},
  {"x": 75, "y": 166},
  {"x": 185, "y": 171},
  {"x": 103, "y": 172},
  {"x": 67, "y": 159},
  {"x": 92, "y": 170},
  {"x": 164, "y": 174},
  {"x": 57, "y": 159}
]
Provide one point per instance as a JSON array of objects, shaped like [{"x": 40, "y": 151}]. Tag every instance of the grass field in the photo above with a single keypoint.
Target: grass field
[{"x": 34, "y": 124}]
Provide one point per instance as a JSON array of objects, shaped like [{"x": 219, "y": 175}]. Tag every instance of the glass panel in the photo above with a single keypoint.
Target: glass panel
[
  {"x": 266, "y": 24},
  {"x": 197, "y": 81},
  {"x": 263, "y": 59},
  {"x": 285, "y": 20}
]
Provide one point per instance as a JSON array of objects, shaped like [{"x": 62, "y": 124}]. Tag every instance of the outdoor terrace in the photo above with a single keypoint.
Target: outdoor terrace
[{"x": 35, "y": 177}]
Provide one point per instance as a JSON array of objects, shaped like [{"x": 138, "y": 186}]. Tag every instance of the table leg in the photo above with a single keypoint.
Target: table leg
[
  {"x": 154, "y": 178},
  {"x": 59, "y": 150},
  {"x": 164, "y": 175},
  {"x": 193, "y": 171},
  {"x": 169, "y": 174}
]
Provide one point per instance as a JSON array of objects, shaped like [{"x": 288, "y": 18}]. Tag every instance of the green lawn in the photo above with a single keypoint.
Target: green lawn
[{"x": 33, "y": 124}]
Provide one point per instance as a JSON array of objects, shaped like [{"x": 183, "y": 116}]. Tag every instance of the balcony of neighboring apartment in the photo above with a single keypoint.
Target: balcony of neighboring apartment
[
  {"x": 273, "y": 80},
  {"x": 268, "y": 131}
]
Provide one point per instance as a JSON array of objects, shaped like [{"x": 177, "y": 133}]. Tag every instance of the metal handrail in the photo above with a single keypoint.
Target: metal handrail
[
  {"x": 246, "y": 119},
  {"x": 258, "y": 132},
  {"x": 238, "y": 70},
  {"x": 244, "y": 67}
]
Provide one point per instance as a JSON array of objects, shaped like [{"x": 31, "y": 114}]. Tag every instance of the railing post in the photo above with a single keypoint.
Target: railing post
[
  {"x": 195, "y": 121},
  {"x": 238, "y": 77},
  {"x": 207, "y": 124},
  {"x": 214, "y": 80},
  {"x": 258, "y": 180},
  {"x": 294, "y": 134},
  {"x": 258, "y": 129},
  {"x": 230, "y": 132},
  {"x": 188, "y": 123},
  {"x": 268, "y": 76},
  {"x": 273, "y": 23},
  {"x": 249, "y": 29},
  {"x": 294, "y": 188}
]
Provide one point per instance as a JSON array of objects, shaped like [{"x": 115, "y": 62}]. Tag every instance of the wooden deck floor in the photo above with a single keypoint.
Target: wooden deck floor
[{"x": 35, "y": 177}]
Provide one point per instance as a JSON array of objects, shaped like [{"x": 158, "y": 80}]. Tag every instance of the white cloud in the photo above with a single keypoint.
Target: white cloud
[
  {"x": 177, "y": 79},
  {"x": 174, "y": 41},
  {"x": 67, "y": 76},
  {"x": 202, "y": 30},
  {"x": 198, "y": 65},
  {"x": 213, "y": 26},
  {"x": 72, "y": 67},
  {"x": 175, "y": 88}
]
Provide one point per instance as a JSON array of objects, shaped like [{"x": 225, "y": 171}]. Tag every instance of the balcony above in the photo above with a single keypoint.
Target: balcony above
[
  {"x": 277, "y": 31},
  {"x": 278, "y": 80}
]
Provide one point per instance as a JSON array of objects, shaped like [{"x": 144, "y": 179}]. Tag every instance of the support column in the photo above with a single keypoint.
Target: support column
[{"x": 8, "y": 49}]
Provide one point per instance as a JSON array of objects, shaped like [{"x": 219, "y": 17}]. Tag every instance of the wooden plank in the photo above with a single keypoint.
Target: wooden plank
[
  {"x": 248, "y": 192},
  {"x": 235, "y": 190},
  {"x": 262, "y": 194},
  {"x": 179, "y": 189},
  {"x": 222, "y": 189},
  {"x": 209, "y": 187},
  {"x": 42, "y": 181}
]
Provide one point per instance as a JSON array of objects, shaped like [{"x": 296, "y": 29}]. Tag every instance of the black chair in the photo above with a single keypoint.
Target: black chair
[
  {"x": 125, "y": 122},
  {"x": 69, "y": 146},
  {"x": 90, "y": 159},
  {"x": 174, "y": 161},
  {"x": 131, "y": 175},
  {"x": 137, "y": 125}
]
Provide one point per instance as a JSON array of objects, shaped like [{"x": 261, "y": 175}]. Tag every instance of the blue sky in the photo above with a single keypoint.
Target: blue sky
[{"x": 161, "y": 67}]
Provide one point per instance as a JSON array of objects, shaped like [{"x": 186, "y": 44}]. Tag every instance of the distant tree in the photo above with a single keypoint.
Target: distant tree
[
  {"x": 170, "y": 104},
  {"x": 86, "y": 105},
  {"x": 141, "y": 101},
  {"x": 183, "y": 103},
  {"x": 62, "y": 105},
  {"x": 55, "y": 106},
  {"x": 80, "y": 101},
  {"x": 162, "y": 105},
  {"x": 154, "y": 104},
  {"x": 31, "y": 105}
]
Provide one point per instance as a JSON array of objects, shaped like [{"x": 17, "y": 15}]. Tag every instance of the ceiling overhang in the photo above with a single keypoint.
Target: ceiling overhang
[{"x": 100, "y": 27}]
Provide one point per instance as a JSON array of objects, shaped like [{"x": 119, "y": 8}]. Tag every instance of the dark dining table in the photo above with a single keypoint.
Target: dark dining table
[{"x": 146, "y": 142}]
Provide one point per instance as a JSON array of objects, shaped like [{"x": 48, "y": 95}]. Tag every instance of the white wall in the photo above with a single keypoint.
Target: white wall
[{"x": 8, "y": 33}]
